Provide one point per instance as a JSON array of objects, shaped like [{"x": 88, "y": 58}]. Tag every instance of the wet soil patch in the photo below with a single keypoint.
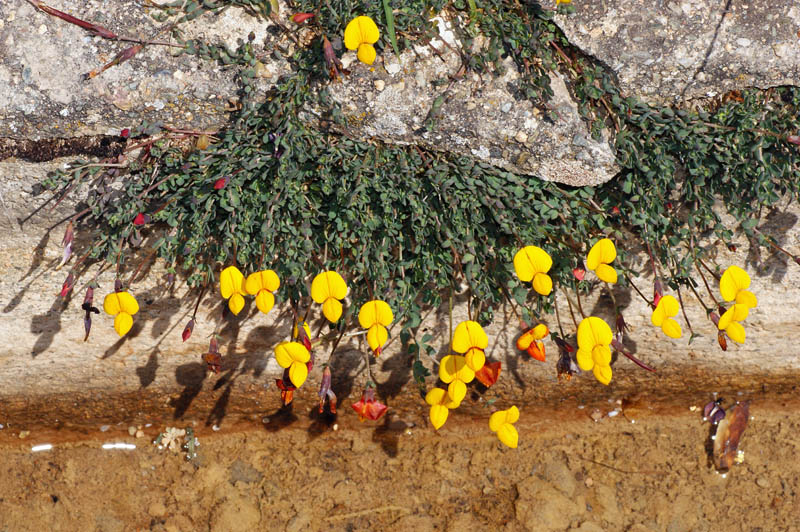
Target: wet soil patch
[{"x": 38, "y": 151}]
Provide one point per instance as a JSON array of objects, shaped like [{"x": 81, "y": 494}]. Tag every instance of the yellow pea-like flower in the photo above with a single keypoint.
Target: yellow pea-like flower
[
  {"x": 662, "y": 315},
  {"x": 360, "y": 34},
  {"x": 602, "y": 254},
  {"x": 375, "y": 316},
  {"x": 293, "y": 355},
  {"x": 441, "y": 404},
  {"x": 733, "y": 286},
  {"x": 531, "y": 264},
  {"x": 469, "y": 338},
  {"x": 328, "y": 289},
  {"x": 121, "y": 305},
  {"x": 262, "y": 285},
  {"x": 232, "y": 288},
  {"x": 502, "y": 422},
  {"x": 454, "y": 371},
  {"x": 594, "y": 338}
]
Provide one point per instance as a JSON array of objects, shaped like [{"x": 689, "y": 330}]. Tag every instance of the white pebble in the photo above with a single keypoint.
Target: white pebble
[{"x": 380, "y": 85}]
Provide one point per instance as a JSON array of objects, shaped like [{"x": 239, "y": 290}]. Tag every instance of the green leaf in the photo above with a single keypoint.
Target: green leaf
[{"x": 387, "y": 9}]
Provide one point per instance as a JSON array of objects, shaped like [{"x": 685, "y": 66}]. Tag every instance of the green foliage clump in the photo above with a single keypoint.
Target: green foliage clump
[{"x": 408, "y": 224}]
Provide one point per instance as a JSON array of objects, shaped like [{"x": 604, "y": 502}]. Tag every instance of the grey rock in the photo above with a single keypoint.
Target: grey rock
[
  {"x": 478, "y": 116},
  {"x": 43, "y": 94},
  {"x": 678, "y": 50}
]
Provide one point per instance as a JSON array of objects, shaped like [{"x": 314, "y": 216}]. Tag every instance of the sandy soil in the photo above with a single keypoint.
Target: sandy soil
[{"x": 645, "y": 469}]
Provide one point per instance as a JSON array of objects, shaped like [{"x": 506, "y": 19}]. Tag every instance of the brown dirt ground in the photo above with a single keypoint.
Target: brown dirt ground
[{"x": 297, "y": 473}]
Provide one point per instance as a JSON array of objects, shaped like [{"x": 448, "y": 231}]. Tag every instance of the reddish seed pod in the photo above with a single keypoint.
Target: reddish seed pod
[{"x": 187, "y": 331}]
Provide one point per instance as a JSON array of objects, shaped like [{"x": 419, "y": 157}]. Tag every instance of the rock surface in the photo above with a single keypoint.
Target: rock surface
[
  {"x": 476, "y": 116},
  {"x": 43, "y": 59},
  {"x": 669, "y": 51},
  {"x": 480, "y": 117}
]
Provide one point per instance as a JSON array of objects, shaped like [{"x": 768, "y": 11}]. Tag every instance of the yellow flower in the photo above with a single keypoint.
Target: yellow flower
[
  {"x": 293, "y": 355},
  {"x": 441, "y": 404},
  {"x": 122, "y": 305},
  {"x": 262, "y": 284},
  {"x": 231, "y": 286},
  {"x": 502, "y": 422},
  {"x": 360, "y": 34},
  {"x": 469, "y": 338},
  {"x": 594, "y": 336},
  {"x": 733, "y": 285},
  {"x": 375, "y": 316},
  {"x": 600, "y": 256},
  {"x": 454, "y": 371},
  {"x": 729, "y": 322},
  {"x": 667, "y": 307},
  {"x": 532, "y": 264},
  {"x": 328, "y": 288},
  {"x": 563, "y": 2}
]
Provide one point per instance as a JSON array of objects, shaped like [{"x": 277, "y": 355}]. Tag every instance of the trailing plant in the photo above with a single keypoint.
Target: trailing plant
[{"x": 412, "y": 226}]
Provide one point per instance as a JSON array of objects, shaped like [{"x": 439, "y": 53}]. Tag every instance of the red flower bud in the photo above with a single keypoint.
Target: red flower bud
[
  {"x": 66, "y": 288},
  {"x": 221, "y": 182},
  {"x": 579, "y": 273},
  {"x": 615, "y": 210},
  {"x": 140, "y": 219},
  {"x": 299, "y": 18},
  {"x": 125, "y": 133},
  {"x": 669, "y": 205},
  {"x": 187, "y": 331}
]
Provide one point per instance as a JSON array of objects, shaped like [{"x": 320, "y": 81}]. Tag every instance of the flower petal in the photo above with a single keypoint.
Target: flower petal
[
  {"x": 540, "y": 331},
  {"x": 377, "y": 335},
  {"x": 332, "y": 309},
  {"x": 231, "y": 281},
  {"x": 672, "y": 328},
  {"x": 123, "y": 323},
  {"x": 448, "y": 369},
  {"x": 265, "y": 301},
  {"x": 236, "y": 303},
  {"x": 732, "y": 281},
  {"x": 603, "y": 252},
  {"x": 469, "y": 334},
  {"x": 127, "y": 303},
  {"x": 531, "y": 260},
  {"x": 525, "y": 340},
  {"x": 435, "y": 396},
  {"x": 508, "y": 435},
  {"x": 367, "y": 54},
  {"x": 670, "y": 305},
  {"x": 263, "y": 280},
  {"x": 602, "y": 374},
  {"x": 111, "y": 304},
  {"x": 512, "y": 415},
  {"x": 489, "y": 373},
  {"x": 457, "y": 390},
  {"x": 747, "y": 298},
  {"x": 601, "y": 355},
  {"x": 584, "y": 358},
  {"x": 606, "y": 273},
  {"x": 658, "y": 317},
  {"x": 593, "y": 331},
  {"x": 542, "y": 284},
  {"x": 298, "y": 372},
  {"x": 373, "y": 312},
  {"x": 475, "y": 358},
  {"x": 736, "y": 332},
  {"x": 438, "y": 414},
  {"x": 497, "y": 420},
  {"x": 288, "y": 352},
  {"x": 326, "y": 285}
]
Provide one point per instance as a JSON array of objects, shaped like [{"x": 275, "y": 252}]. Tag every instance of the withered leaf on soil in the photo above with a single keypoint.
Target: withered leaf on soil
[{"x": 729, "y": 432}]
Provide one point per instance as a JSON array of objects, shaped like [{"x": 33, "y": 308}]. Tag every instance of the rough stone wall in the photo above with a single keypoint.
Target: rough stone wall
[
  {"x": 674, "y": 50},
  {"x": 46, "y": 367}
]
